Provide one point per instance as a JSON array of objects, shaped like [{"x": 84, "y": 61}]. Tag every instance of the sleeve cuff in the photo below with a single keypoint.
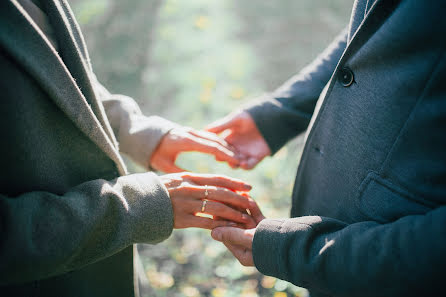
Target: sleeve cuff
[
  {"x": 144, "y": 136},
  {"x": 149, "y": 207},
  {"x": 267, "y": 253}
]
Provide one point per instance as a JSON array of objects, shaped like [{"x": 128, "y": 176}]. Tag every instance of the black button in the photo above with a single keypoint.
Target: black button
[{"x": 346, "y": 77}]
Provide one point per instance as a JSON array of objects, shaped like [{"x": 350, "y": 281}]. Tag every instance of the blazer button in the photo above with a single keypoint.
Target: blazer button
[{"x": 346, "y": 77}]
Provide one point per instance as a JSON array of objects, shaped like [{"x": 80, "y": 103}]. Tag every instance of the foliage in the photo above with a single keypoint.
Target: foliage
[{"x": 193, "y": 62}]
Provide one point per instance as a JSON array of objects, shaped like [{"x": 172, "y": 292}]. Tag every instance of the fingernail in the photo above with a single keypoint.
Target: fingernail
[
  {"x": 232, "y": 224},
  {"x": 247, "y": 187},
  {"x": 245, "y": 217}
]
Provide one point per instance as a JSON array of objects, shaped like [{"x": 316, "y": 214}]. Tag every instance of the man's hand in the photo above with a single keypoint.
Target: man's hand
[
  {"x": 238, "y": 241},
  {"x": 240, "y": 131},
  {"x": 215, "y": 195},
  {"x": 185, "y": 139}
]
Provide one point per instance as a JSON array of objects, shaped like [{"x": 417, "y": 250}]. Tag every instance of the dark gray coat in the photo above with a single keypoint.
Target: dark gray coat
[
  {"x": 368, "y": 206},
  {"x": 69, "y": 214}
]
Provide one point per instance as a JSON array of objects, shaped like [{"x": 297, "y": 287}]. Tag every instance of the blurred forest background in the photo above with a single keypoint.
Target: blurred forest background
[{"x": 193, "y": 62}]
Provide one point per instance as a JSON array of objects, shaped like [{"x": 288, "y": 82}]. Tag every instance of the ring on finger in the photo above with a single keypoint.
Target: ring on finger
[
  {"x": 206, "y": 193},
  {"x": 203, "y": 205}
]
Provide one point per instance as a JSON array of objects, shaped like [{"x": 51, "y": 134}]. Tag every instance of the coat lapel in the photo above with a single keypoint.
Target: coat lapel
[
  {"x": 25, "y": 42},
  {"x": 73, "y": 52}
]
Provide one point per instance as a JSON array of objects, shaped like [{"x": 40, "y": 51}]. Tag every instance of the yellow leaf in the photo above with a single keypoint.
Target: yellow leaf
[
  {"x": 218, "y": 292},
  {"x": 202, "y": 22},
  {"x": 160, "y": 280},
  {"x": 237, "y": 93},
  {"x": 268, "y": 282},
  {"x": 190, "y": 292},
  {"x": 208, "y": 83},
  {"x": 206, "y": 96}
]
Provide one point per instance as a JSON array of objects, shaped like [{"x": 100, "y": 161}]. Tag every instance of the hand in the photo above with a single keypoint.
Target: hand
[
  {"x": 185, "y": 139},
  {"x": 187, "y": 192},
  {"x": 238, "y": 241},
  {"x": 254, "y": 212},
  {"x": 241, "y": 132}
]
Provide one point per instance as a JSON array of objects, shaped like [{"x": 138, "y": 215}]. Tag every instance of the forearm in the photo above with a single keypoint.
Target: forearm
[
  {"x": 138, "y": 135},
  {"x": 44, "y": 234},
  {"x": 402, "y": 258},
  {"x": 287, "y": 111}
]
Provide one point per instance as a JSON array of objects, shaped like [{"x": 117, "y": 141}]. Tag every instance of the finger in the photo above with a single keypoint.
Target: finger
[
  {"x": 233, "y": 235},
  {"x": 226, "y": 212},
  {"x": 228, "y": 197},
  {"x": 249, "y": 163},
  {"x": 218, "y": 181},
  {"x": 233, "y": 224},
  {"x": 243, "y": 255},
  {"x": 222, "y": 124},
  {"x": 251, "y": 223},
  {"x": 220, "y": 152},
  {"x": 256, "y": 213},
  {"x": 248, "y": 225},
  {"x": 209, "y": 136},
  {"x": 205, "y": 223},
  {"x": 231, "y": 137},
  {"x": 225, "y": 196}
]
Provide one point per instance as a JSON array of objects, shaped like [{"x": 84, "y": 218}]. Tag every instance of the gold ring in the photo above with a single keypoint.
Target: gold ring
[
  {"x": 203, "y": 205},
  {"x": 206, "y": 193}
]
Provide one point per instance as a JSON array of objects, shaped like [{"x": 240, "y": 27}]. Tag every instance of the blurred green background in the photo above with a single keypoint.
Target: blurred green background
[{"x": 193, "y": 62}]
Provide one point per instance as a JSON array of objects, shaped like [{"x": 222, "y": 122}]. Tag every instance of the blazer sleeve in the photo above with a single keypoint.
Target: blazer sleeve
[
  {"x": 402, "y": 258},
  {"x": 138, "y": 135},
  {"x": 43, "y": 234},
  {"x": 286, "y": 112}
]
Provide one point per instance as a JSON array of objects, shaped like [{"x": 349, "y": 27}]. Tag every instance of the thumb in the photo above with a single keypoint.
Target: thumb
[
  {"x": 222, "y": 124},
  {"x": 166, "y": 165},
  {"x": 250, "y": 163},
  {"x": 232, "y": 235}
]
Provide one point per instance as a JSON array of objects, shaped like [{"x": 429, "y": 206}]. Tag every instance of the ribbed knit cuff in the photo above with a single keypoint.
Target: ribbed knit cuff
[
  {"x": 149, "y": 207},
  {"x": 267, "y": 248}
]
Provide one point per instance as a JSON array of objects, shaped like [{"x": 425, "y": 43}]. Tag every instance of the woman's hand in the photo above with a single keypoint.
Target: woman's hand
[
  {"x": 184, "y": 139},
  {"x": 188, "y": 191}
]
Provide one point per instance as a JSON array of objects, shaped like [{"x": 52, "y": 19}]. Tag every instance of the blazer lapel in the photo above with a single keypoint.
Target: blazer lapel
[
  {"x": 25, "y": 42},
  {"x": 377, "y": 14}
]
